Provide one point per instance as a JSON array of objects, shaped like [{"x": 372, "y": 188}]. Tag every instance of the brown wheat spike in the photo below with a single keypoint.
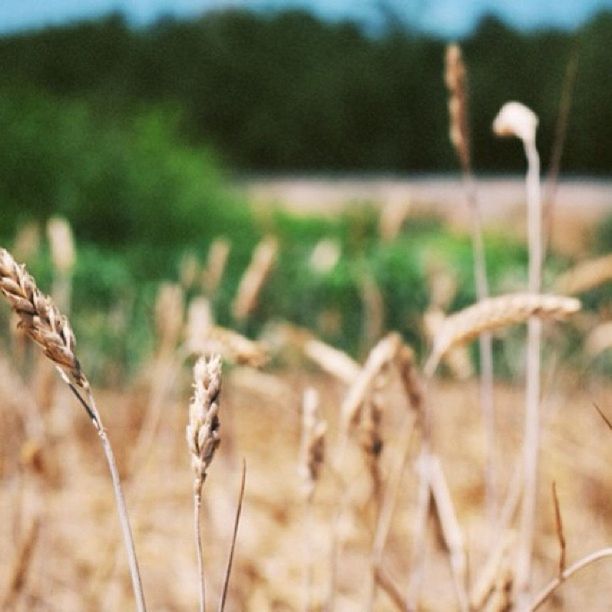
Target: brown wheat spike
[
  {"x": 371, "y": 435},
  {"x": 254, "y": 278},
  {"x": 456, "y": 81},
  {"x": 335, "y": 362},
  {"x": 203, "y": 427},
  {"x": 409, "y": 376},
  {"x": 585, "y": 276},
  {"x": 216, "y": 261},
  {"x": 169, "y": 308},
  {"x": 231, "y": 345},
  {"x": 495, "y": 313},
  {"x": 41, "y": 321},
  {"x": 312, "y": 451}
]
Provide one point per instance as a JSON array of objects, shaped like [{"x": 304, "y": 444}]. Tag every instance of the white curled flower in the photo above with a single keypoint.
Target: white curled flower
[{"x": 516, "y": 119}]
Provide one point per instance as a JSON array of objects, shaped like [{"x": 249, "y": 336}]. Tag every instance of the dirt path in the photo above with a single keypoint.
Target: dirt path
[{"x": 501, "y": 198}]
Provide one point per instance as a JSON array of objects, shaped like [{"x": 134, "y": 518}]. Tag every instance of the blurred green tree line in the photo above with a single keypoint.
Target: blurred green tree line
[{"x": 289, "y": 92}]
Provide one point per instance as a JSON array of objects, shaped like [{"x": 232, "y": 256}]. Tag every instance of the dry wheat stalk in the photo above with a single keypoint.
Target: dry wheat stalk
[
  {"x": 20, "y": 565},
  {"x": 555, "y": 583},
  {"x": 216, "y": 261},
  {"x": 585, "y": 276},
  {"x": 458, "y": 358},
  {"x": 312, "y": 451},
  {"x": 254, "y": 278},
  {"x": 46, "y": 326},
  {"x": 383, "y": 353},
  {"x": 456, "y": 81},
  {"x": 451, "y": 532},
  {"x": 203, "y": 440},
  {"x": 312, "y": 457},
  {"x": 489, "y": 575},
  {"x": 515, "y": 119},
  {"x": 493, "y": 314}
]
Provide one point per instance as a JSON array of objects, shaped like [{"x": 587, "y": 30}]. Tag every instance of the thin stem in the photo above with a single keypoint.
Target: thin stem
[
  {"x": 532, "y": 397},
  {"x": 228, "y": 569},
  {"x": 555, "y": 583},
  {"x": 308, "y": 569},
  {"x": 197, "y": 505},
  {"x": 485, "y": 342},
  {"x": 128, "y": 540}
]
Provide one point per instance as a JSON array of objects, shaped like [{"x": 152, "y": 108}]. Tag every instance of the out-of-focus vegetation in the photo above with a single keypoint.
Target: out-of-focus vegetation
[
  {"x": 285, "y": 91},
  {"x": 125, "y": 133}
]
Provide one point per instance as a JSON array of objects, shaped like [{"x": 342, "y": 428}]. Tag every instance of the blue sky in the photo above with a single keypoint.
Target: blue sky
[{"x": 445, "y": 17}]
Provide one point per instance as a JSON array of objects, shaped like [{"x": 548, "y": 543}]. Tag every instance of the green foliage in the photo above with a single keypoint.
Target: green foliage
[
  {"x": 286, "y": 91},
  {"x": 126, "y": 183}
]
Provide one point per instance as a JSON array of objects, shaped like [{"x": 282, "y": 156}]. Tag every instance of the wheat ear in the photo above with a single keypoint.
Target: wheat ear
[
  {"x": 494, "y": 314},
  {"x": 585, "y": 276},
  {"x": 203, "y": 440},
  {"x": 456, "y": 81},
  {"x": 42, "y": 322},
  {"x": 254, "y": 278}
]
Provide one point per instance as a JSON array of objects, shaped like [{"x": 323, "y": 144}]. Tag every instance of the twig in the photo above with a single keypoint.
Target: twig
[
  {"x": 451, "y": 532},
  {"x": 384, "y": 581},
  {"x": 555, "y": 583},
  {"x": 559, "y": 529},
  {"x": 565, "y": 105},
  {"x": 228, "y": 570},
  {"x": 603, "y": 416},
  {"x": 20, "y": 566}
]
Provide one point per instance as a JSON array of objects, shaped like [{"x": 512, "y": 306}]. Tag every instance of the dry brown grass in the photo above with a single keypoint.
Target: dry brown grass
[{"x": 397, "y": 526}]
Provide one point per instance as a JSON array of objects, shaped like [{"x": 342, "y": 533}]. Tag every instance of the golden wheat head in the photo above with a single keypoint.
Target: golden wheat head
[
  {"x": 495, "y": 313},
  {"x": 203, "y": 426},
  {"x": 40, "y": 319}
]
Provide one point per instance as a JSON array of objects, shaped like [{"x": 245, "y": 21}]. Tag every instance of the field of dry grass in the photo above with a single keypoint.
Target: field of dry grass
[
  {"x": 77, "y": 562},
  {"x": 387, "y": 483}
]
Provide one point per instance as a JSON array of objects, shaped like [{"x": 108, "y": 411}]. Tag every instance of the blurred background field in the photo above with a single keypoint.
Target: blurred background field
[{"x": 173, "y": 144}]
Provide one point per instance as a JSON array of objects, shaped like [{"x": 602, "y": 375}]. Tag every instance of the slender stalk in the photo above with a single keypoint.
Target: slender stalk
[
  {"x": 456, "y": 78},
  {"x": 532, "y": 397},
  {"x": 309, "y": 558},
  {"x": 128, "y": 539},
  {"x": 485, "y": 343},
  {"x": 555, "y": 583},
  {"x": 230, "y": 561},
  {"x": 197, "y": 532}
]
